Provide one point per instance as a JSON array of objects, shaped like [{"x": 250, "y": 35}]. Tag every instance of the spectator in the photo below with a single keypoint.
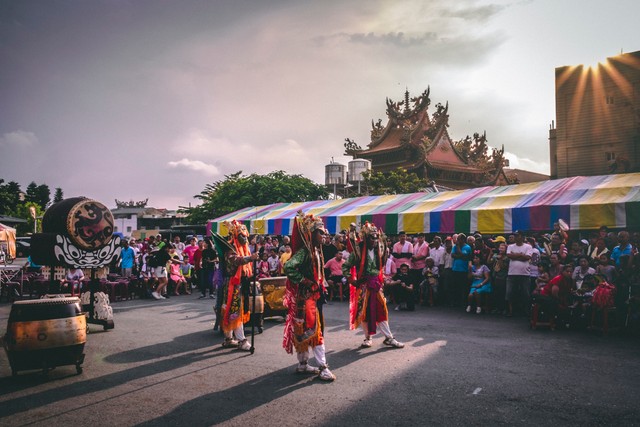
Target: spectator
[
  {"x": 481, "y": 283},
  {"x": 127, "y": 259},
  {"x": 285, "y": 256},
  {"x": 186, "y": 269},
  {"x": 621, "y": 254},
  {"x": 274, "y": 262},
  {"x": 403, "y": 289},
  {"x": 499, "y": 263},
  {"x": 175, "y": 274},
  {"x": 581, "y": 271},
  {"x": 446, "y": 273},
  {"x": 209, "y": 258},
  {"x": 335, "y": 277},
  {"x": 418, "y": 259},
  {"x": 600, "y": 248},
  {"x": 429, "y": 286},
  {"x": 190, "y": 249},
  {"x": 605, "y": 269},
  {"x": 519, "y": 255},
  {"x": 402, "y": 250},
  {"x": 72, "y": 281},
  {"x": 178, "y": 245},
  {"x": 555, "y": 268},
  {"x": 263, "y": 266},
  {"x": 461, "y": 254}
]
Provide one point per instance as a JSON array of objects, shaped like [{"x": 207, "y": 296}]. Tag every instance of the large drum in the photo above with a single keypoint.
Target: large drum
[
  {"x": 45, "y": 333},
  {"x": 273, "y": 290},
  {"x": 89, "y": 224}
]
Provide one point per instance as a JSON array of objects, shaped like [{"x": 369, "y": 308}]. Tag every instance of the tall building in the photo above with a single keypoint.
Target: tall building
[{"x": 597, "y": 126}]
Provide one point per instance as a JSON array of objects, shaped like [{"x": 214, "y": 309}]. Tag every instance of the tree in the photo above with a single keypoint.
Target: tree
[
  {"x": 398, "y": 181},
  {"x": 9, "y": 197},
  {"x": 59, "y": 195},
  {"x": 239, "y": 191},
  {"x": 39, "y": 194}
]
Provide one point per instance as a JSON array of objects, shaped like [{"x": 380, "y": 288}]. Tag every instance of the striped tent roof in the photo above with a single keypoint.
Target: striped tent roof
[{"x": 583, "y": 202}]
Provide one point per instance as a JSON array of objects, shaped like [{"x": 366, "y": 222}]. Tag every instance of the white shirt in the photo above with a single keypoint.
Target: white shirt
[
  {"x": 516, "y": 267},
  {"x": 437, "y": 254}
]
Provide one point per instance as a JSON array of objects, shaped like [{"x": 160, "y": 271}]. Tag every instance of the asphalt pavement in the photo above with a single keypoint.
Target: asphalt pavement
[{"x": 162, "y": 365}]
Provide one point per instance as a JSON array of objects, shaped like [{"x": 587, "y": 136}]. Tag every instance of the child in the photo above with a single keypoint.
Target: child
[
  {"x": 543, "y": 277},
  {"x": 185, "y": 270},
  {"x": 263, "y": 266},
  {"x": 605, "y": 269},
  {"x": 175, "y": 274},
  {"x": 429, "y": 286}
]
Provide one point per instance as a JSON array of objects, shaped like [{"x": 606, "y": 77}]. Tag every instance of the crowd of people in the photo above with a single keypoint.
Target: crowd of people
[{"x": 496, "y": 274}]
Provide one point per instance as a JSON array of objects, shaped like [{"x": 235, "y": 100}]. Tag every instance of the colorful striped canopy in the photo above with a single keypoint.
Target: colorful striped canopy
[{"x": 583, "y": 202}]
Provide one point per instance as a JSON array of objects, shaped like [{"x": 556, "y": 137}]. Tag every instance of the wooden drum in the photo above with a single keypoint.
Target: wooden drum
[
  {"x": 273, "y": 290},
  {"x": 45, "y": 333},
  {"x": 259, "y": 304}
]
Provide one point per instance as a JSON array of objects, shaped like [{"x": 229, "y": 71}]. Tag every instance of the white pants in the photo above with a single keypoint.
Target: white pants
[
  {"x": 318, "y": 353},
  {"x": 239, "y": 333},
  {"x": 384, "y": 328}
]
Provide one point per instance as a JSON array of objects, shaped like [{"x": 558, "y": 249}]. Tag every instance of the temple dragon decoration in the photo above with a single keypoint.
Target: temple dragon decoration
[{"x": 413, "y": 140}]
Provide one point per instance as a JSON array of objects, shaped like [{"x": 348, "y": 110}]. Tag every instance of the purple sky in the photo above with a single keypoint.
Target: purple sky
[{"x": 155, "y": 99}]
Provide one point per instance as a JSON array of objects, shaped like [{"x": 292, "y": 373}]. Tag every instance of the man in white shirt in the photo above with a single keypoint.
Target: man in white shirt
[{"x": 519, "y": 254}]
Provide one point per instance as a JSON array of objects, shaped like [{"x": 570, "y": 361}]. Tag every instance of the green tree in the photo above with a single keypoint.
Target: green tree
[
  {"x": 398, "y": 181},
  {"x": 239, "y": 191},
  {"x": 59, "y": 195},
  {"x": 39, "y": 194},
  {"x": 9, "y": 197}
]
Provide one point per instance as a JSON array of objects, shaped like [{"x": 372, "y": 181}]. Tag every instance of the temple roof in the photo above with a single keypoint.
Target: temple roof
[{"x": 412, "y": 139}]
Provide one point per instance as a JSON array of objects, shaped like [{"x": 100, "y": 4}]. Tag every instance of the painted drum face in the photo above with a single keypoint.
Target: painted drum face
[{"x": 89, "y": 224}]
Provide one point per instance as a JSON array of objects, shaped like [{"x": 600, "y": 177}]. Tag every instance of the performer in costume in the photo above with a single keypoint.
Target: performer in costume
[
  {"x": 304, "y": 295},
  {"x": 238, "y": 271},
  {"x": 368, "y": 307}
]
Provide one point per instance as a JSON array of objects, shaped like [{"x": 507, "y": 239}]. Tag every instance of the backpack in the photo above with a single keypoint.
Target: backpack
[{"x": 152, "y": 260}]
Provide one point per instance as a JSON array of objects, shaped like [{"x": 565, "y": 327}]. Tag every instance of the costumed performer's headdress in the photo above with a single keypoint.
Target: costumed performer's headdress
[
  {"x": 236, "y": 228},
  {"x": 367, "y": 229},
  {"x": 303, "y": 228}
]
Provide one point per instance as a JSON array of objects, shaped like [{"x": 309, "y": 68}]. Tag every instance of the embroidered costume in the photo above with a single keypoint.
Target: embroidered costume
[
  {"x": 368, "y": 306},
  {"x": 304, "y": 296},
  {"x": 238, "y": 272}
]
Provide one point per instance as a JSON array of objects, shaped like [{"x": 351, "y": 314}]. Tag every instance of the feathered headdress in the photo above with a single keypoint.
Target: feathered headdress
[{"x": 236, "y": 228}]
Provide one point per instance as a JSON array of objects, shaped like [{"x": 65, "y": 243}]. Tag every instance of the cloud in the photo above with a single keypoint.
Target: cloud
[
  {"x": 194, "y": 165},
  {"x": 18, "y": 138},
  {"x": 516, "y": 162},
  {"x": 479, "y": 13},
  {"x": 396, "y": 39}
]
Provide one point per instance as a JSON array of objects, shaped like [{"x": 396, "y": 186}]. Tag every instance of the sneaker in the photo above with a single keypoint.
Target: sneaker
[
  {"x": 244, "y": 345},
  {"x": 307, "y": 369},
  {"x": 211, "y": 296},
  {"x": 468, "y": 309},
  {"x": 155, "y": 295},
  {"x": 367, "y": 343},
  {"x": 229, "y": 342},
  {"x": 397, "y": 308},
  {"x": 202, "y": 296},
  {"x": 326, "y": 374},
  {"x": 478, "y": 310},
  {"x": 392, "y": 342}
]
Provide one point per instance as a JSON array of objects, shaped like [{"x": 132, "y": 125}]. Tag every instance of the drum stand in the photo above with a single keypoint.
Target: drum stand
[{"x": 93, "y": 285}]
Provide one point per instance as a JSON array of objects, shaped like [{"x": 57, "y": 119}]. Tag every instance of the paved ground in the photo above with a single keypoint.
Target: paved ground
[{"x": 163, "y": 365}]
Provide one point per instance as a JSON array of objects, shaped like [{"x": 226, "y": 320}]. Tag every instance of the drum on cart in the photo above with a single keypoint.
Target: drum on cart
[{"x": 46, "y": 333}]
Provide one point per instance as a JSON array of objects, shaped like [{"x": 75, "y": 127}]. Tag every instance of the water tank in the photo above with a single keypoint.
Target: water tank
[
  {"x": 356, "y": 168},
  {"x": 335, "y": 174}
]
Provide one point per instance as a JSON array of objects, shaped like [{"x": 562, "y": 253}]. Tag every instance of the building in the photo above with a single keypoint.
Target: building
[
  {"x": 597, "y": 126},
  {"x": 419, "y": 142},
  {"x": 140, "y": 222}
]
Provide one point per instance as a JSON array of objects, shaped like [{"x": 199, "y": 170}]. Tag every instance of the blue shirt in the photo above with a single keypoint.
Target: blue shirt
[
  {"x": 617, "y": 253},
  {"x": 461, "y": 264},
  {"x": 127, "y": 254}
]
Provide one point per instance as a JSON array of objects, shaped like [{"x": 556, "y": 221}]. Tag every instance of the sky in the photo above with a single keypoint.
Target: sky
[{"x": 154, "y": 99}]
